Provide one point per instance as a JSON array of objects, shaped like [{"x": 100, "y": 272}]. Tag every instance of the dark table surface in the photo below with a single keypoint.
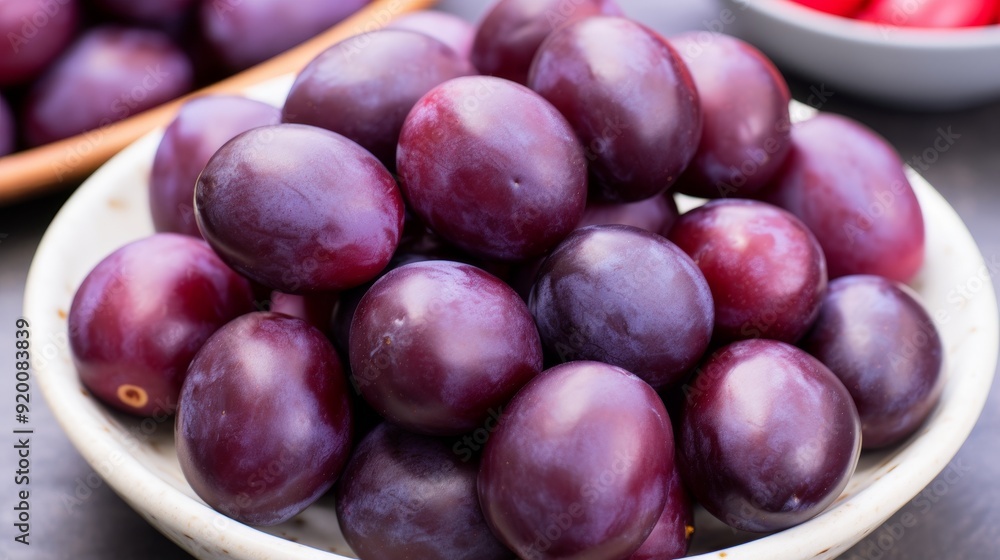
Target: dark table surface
[{"x": 961, "y": 522}]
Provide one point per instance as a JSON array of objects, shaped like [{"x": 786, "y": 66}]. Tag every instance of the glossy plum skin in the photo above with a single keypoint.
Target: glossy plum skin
[
  {"x": 436, "y": 346},
  {"x": 633, "y": 103},
  {"x": 672, "y": 533},
  {"x": 745, "y": 138},
  {"x": 146, "y": 11},
  {"x": 337, "y": 209},
  {"x": 143, "y": 312},
  {"x": 508, "y": 37},
  {"x": 492, "y": 168},
  {"x": 108, "y": 74},
  {"x": 348, "y": 300},
  {"x": 766, "y": 270},
  {"x": 34, "y": 33},
  {"x": 8, "y": 130},
  {"x": 930, "y": 13},
  {"x": 768, "y": 436},
  {"x": 877, "y": 338},
  {"x": 200, "y": 128},
  {"x": 247, "y": 32},
  {"x": 365, "y": 86},
  {"x": 264, "y": 425},
  {"x": 408, "y": 496},
  {"x": 447, "y": 28},
  {"x": 847, "y": 185},
  {"x": 657, "y": 214},
  {"x": 578, "y": 466},
  {"x": 626, "y": 297}
]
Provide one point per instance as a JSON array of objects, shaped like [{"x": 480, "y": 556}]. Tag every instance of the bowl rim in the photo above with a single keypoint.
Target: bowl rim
[
  {"x": 797, "y": 15},
  {"x": 163, "y": 505}
]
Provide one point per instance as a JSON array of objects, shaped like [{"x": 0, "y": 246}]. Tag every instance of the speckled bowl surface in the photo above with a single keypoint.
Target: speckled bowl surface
[{"x": 137, "y": 457}]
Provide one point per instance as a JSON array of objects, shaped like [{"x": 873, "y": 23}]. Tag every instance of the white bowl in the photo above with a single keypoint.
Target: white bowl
[
  {"x": 138, "y": 458},
  {"x": 913, "y": 68}
]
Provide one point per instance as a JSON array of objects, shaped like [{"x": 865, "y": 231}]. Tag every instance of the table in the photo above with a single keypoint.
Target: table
[{"x": 957, "y": 517}]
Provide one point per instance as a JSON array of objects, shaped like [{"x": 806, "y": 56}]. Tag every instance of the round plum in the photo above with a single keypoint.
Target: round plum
[
  {"x": 745, "y": 138},
  {"x": 348, "y": 300},
  {"x": 656, "y": 214},
  {"x": 143, "y": 312},
  {"x": 436, "y": 346},
  {"x": 626, "y": 297},
  {"x": 878, "y": 339},
  {"x": 768, "y": 436},
  {"x": 79, "y": 93},
  {"x": 365, "y": 86},
  {"x": 34, "y": 33},
  {"x": 847, "y": 184},
  {"x": 579, "y": 464},
  {"x": 492, "y": 168},
  {"x": 264, "y": 424},
  {"x": 766, "y": 270},
  {"x": 245, "y": 32},
  {"x": 200, "y": 128},
  {"x": 630, "y": 99},
  {"x": 672, "y": 533},
  {"x": 447, "y": 28},
  {"x": 509, "y": 35},
  {"x": 299, "y": 209},
  {"x": 409, "y": 496}
]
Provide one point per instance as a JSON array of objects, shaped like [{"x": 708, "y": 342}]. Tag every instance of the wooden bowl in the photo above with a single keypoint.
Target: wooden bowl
[{"x": 65, "y": 163}]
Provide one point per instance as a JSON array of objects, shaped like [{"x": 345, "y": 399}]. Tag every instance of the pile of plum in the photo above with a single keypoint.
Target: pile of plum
[
  {"x": 490, "y": 331},
  {"x": 70, "y": 66}
]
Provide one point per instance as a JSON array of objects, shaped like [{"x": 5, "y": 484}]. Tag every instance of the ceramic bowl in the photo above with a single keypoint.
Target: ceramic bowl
[
  {"x": 924, "y": 69},
  {"x": 138, "y": 460}
]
